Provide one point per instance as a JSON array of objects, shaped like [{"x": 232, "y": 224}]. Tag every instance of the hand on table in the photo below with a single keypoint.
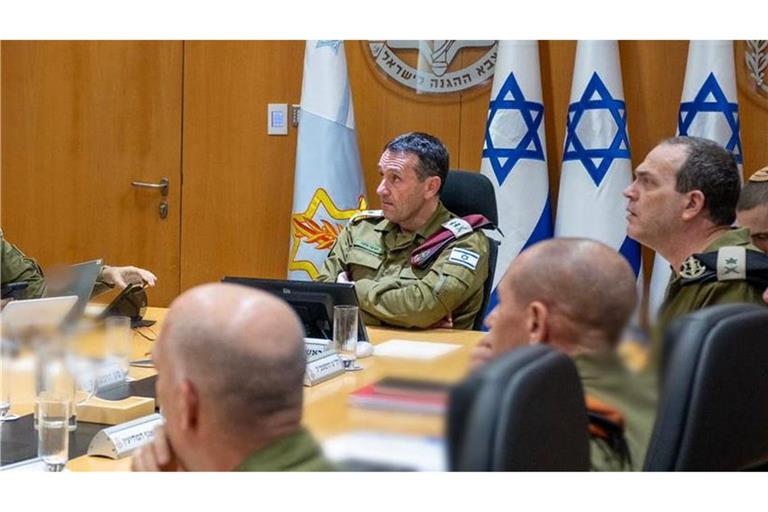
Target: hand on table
[
  {"x": 121, "y": 276},
  {"x": 444, "y": 323}
]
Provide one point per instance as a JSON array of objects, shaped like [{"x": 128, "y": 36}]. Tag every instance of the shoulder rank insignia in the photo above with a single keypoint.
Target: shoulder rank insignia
[
  {"x": 432, "y": 246},
  {"x": 731, "y": 263},
  {"x": 692, "y": 268},
  {"x": 366, "y": 214}
]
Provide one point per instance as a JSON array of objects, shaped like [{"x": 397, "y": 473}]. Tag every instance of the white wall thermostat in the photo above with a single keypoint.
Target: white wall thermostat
[{"x": 277, "y": 118}]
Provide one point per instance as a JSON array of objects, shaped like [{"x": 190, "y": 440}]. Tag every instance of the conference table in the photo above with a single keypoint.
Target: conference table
[{"x": 326, "y": 405}]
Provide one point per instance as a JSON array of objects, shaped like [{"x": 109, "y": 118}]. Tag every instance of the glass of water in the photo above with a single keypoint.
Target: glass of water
[
  {"x": 345, "y": 335},
  {"x": 118, "y": 337},
  {"x": 5, "y": 379},
  {"x": 53, "y": 434}
]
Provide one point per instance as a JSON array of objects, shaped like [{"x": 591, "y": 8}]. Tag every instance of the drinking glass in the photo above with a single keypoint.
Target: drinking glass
[
  {"x": 5, "y": 389},
  {"x": 53, "y": 431},
  {"x": 345, "y": 335},
  {"x": 118, "y": 337}
]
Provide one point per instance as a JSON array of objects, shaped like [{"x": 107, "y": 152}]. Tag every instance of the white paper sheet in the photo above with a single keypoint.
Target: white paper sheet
[
  {"x": 407, "y": 349},
  {"x": 402, "y": 451}
]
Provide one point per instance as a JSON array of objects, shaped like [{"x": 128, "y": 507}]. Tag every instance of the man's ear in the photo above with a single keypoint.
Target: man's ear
[
  {"x": 694, "y": 204},
  {"x": 433, "y": 186},
  {"x": 537, "y": 322},
  {"x": 189, "y": 406}
]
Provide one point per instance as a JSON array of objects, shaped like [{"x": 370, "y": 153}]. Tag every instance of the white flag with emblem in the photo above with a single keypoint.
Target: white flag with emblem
[
  {"x": 514, "y": 153},
  {"x": 596, "y": 156},
  {"x": 328, "y": 184},
  {"x": 709, "y": 108}
]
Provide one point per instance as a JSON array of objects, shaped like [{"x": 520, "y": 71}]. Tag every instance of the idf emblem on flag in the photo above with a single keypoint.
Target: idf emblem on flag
[
  {"x": 514, "y": 156},
  {"x": 708, "y": 109},
  {"x": 329, "y": 186},
  {"x": 596, "y": 158}
]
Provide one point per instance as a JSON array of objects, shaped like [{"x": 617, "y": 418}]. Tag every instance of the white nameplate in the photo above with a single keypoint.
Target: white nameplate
[
  {"x": 313, "y": 347},
  {"x": 322, "y": 368},
  {"x": 107, "y": 376},
  {"x": 35, "y": 464},
  {"x": 119, "y": 441}
]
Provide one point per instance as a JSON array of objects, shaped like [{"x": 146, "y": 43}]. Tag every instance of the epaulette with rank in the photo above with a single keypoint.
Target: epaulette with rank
[
  {"x": 453, "y": 229},
  {"x": 732, "y": 263},
  {"x": 366, "y": 214}
]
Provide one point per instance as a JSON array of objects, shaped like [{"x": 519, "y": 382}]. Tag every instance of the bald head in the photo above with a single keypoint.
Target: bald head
[
  {"x": 241, "y": 348},
  {"x": 588, "y": 287}
]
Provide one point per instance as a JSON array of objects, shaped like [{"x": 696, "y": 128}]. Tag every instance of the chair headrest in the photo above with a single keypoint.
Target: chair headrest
[{"x": 467, "y": 192}]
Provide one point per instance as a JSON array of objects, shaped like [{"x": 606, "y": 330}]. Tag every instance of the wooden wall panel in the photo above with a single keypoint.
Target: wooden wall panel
[
  {"x": 384, "y": 110},
  {"x": 80, "y": 121},
  {"x": 238, "y": 181}
]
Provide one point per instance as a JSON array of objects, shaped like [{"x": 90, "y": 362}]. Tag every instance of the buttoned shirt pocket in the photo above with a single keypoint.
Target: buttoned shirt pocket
[{"x": 363, "y": 264}]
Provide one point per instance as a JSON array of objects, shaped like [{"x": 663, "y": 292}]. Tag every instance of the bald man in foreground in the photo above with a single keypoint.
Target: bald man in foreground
[
  {"x": 577, "y": 295},
  {"x": 230, "y": 363}
]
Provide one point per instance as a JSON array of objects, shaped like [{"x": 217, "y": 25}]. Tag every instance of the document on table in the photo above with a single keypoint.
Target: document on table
[
  {"x": 407, "y": 349},
  {"x": 403, "y": 452}
]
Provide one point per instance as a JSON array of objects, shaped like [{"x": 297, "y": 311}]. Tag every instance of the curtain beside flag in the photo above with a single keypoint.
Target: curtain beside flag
[
  {"x": 596, "y": 157},
  {"x": 328, "y": 184},
  {"x": 708, "y": 108},
  {"x": 514, "y": 153}
]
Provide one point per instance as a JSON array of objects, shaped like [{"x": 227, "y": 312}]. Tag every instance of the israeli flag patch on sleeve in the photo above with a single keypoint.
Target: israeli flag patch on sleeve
[{"x": 464, "y": 257}]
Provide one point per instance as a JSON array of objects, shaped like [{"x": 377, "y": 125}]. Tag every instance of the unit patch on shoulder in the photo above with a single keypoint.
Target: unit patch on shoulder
[
  {"x": 366, "y": 214},
  {"x": 458, "y": 226},
  {"x": 692, "y": 268},
  {"x": 464, "y": 257}
]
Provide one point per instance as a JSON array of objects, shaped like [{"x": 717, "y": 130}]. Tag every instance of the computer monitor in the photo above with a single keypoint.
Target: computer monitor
[
  {"x": 75, "y": 280},
  {"x": 312, "y": 301}
]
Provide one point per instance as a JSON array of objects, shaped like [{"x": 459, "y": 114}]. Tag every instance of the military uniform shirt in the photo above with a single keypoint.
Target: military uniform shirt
[
  {"x": 680, "y": 300},
  {"x": 16, "y": 267},
  {"x": 376, "y": 255},
  {"x": 297, "y": 452},
  {"x": 606, "y": 378}
]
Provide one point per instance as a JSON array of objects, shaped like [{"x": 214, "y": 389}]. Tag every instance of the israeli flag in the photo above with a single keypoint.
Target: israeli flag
[
  {"x": 328, "y": 184},
  {"x": 709, "y": 108},
  {"x": 596, "y": 159},
  {"x": 514, "y": 156}
]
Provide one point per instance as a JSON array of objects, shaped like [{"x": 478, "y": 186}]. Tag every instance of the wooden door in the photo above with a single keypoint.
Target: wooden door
[{"x": 81, "y": 120}]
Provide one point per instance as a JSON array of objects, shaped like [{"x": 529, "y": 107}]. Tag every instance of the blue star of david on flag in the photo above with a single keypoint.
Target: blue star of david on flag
[
  {"x": 718, "y": 103},
  {"x": 511, "y": 98},
  {"x": 596, "y": 160},
  {"x": 332, "y": 43}
]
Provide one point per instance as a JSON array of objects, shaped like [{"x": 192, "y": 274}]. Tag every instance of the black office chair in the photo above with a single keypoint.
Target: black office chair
[
  {"x": 713, "y": 410},
  {"x": 522, "y": 412},
  {"x": 466, "y": 193}
]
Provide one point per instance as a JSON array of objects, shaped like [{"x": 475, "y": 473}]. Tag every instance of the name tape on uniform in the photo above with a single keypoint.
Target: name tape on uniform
[
  {"x": 464, "y": 257},
  {"x": 459, "y": 227}
]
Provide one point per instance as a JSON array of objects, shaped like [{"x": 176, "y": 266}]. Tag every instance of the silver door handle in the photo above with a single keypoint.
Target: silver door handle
[{"x": 162, "y": 186}]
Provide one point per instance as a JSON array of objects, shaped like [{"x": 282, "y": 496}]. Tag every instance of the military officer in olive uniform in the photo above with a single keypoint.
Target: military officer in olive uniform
[
  {"x": 752, "y": 208},
  {"x": 17, "y": 268},
  {"x": 230, "y": 363},
  {"x": 682, "y": 204},
  {"x": 414, "y": 263},
  {"x": 547, "y": 296}
]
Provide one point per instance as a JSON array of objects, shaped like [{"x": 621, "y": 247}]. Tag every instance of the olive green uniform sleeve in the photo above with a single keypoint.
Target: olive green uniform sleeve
[
  {"x": 409, "y": 301},
  {"x": 336, "y": 262},
  {"x": 17, "y": 267}
]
